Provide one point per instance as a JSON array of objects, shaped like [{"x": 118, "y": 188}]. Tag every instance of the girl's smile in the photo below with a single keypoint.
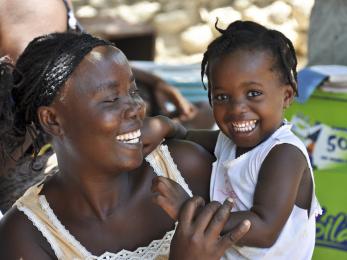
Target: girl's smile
[{"x": 248, "y": 97}]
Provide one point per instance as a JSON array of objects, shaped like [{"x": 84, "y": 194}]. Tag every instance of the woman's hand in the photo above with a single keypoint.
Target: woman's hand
[
  {"x": 198, "y": 231},
  {"x": 169, "y": 195}
]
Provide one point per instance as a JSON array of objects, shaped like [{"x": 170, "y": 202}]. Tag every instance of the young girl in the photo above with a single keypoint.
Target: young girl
[{"x": 260, "y": 163}]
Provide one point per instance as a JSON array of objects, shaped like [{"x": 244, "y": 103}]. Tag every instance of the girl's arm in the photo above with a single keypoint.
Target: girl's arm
[
  {"x": 157, "y": 128},
  {"x": 275, "y": 195}
]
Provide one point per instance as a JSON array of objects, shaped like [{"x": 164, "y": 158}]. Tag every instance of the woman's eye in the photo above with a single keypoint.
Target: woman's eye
[
  {"x": 134, "y": 92},
  {"x": 253, "y": 93},
  {"x": 111, "y": 100}
]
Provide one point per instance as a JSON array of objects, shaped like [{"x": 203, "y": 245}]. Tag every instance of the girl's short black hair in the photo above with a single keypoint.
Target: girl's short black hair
[{"x": 253, "y": 36}]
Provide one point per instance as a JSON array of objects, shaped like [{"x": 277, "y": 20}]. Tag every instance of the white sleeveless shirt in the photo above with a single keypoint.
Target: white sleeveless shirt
[{"x": 237, "y": 178}]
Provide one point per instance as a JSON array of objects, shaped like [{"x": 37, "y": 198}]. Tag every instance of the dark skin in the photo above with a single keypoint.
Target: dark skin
[
  {"x": 102, "y": 191},
  {"x": 246, "y": 88}
]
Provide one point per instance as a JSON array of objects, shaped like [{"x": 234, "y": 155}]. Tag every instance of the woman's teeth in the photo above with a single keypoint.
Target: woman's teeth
[
  {"x": 130, "y": 137},
  {"x": 244, "y": 126}
]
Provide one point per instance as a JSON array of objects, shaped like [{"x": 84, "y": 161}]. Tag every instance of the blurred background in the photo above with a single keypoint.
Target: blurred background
[{"x": 174, "y": 31}]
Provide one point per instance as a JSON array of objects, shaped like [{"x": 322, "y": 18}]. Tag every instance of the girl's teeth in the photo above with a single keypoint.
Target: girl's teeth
[{"x": 244, "y": 126}]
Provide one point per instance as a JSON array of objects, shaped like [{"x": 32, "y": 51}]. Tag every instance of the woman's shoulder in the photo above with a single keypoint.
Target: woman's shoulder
[
  {"x": 194, "y": 164},
  {"x": 19, "y": 238}
]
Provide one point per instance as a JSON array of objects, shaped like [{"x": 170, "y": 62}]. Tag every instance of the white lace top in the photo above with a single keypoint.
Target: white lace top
[{"x": 65, "y": 245}]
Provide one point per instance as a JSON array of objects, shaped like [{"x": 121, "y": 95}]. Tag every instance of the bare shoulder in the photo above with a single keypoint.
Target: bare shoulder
[
  {"x": 194, "y": 163},
  {"x": 287, "y": 156},
  {"x": 19, "y": 238}
]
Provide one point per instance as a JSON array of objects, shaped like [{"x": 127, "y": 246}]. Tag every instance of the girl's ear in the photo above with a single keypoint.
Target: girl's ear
[
  {"x": 288, "y": 96},
  {"x": 50, "y": 120}
]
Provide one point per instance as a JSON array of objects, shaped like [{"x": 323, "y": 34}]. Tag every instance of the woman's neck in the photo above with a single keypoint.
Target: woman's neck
[{"x": 98, "y": 195}]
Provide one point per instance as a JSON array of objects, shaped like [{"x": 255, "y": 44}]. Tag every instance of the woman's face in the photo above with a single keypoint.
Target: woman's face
[{"x": 101, "y": 113}]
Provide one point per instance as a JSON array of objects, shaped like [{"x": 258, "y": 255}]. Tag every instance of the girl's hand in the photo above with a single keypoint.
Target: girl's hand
[
  {"x": 198, "y": 231},
  {"x": 169, "y": 195},
  {"x": 156, "y": 128}
]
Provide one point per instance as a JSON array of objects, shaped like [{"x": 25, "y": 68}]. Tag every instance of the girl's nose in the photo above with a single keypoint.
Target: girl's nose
[{"x": 238, "y": 107}]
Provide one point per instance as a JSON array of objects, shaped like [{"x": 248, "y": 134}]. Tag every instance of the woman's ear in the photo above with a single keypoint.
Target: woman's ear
[
  {"x": 288, "y": 96},
  {"x": 49, "y": 120}
]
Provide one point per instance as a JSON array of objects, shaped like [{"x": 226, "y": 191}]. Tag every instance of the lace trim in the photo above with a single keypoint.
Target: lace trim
[
  {"x": 174, "y": 169},
  {"x": 41, "y": 227},
  {"x": 60, "y": 227},
  {"x": 160, "y": 247},
  {"x": 171, "y": 165},
  {"x": 155, "y": 249}
]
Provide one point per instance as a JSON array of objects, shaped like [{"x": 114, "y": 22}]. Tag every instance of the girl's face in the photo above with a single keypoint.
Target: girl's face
[
  {"x": 102, "y": 113},
  {"x": 247, "y": 96}
]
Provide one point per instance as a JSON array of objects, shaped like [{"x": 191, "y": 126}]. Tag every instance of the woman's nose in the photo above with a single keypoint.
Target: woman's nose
[{"x": 136, "y": 109}]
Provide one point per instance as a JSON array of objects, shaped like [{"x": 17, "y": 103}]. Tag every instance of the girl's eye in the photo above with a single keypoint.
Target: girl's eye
[
  {"x": 253, "y": 93},
  {"x": 221, "y": 98}
]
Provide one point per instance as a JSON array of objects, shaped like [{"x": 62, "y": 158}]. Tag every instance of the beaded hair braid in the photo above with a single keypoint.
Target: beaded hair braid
[
  {"x": 45, "y": 66},
  {"x": 253, "y": 36}
]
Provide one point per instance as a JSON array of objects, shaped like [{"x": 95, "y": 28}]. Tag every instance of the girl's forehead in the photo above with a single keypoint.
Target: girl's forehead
[
  {"x": 243, "y": 61},
  {"x": 242, "y": 67}
]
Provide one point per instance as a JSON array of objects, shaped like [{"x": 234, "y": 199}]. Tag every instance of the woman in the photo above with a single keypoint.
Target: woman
[
  {"x": 81, "y": 91},
  {"x": 20, "y": 22}
]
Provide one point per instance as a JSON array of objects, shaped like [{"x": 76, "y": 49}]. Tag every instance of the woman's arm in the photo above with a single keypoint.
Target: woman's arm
[{"x": 20, "y": 239}]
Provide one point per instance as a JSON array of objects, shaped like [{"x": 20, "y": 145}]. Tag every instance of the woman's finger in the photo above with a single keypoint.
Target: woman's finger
[
  {"x": 189, "y": 211},
  {"x": 219, "y": 219},
  {"x": 232, "y": 237},
  {"x": 203, "y": 219}
]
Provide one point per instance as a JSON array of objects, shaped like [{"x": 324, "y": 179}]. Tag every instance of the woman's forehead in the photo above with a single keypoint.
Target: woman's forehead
[{"x": 102, "y": 64}]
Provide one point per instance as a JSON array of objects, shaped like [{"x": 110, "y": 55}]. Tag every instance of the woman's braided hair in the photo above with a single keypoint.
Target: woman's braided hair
[
  {"x": 253, "y": 36},
  {"x": 7, "y": 140},
  {"x": 41, "y": 71}
]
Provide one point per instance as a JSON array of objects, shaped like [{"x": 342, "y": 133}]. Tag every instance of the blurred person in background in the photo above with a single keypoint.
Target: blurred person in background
[{"x": 328, "y": 33}]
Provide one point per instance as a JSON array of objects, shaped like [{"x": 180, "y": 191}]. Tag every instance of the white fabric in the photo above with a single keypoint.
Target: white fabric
[{"x": 237, "y": 178}]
